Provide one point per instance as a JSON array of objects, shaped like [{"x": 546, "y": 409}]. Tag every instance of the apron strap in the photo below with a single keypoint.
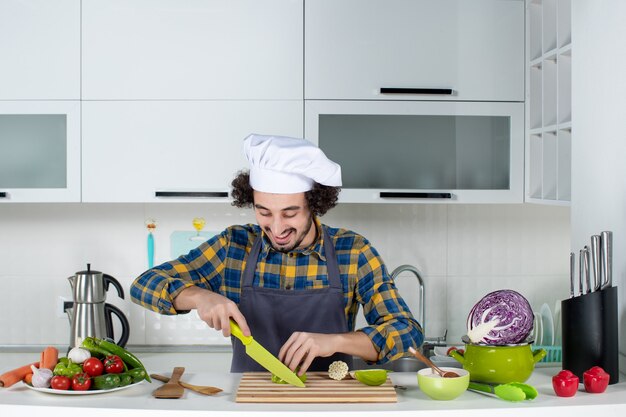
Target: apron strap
[
  {"x": 248, "y": 273},
  {"x": 332, "y": 268}
]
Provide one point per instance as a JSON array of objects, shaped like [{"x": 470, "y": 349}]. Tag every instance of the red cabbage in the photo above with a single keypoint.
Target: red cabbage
[{"x": 505, "y": 317}]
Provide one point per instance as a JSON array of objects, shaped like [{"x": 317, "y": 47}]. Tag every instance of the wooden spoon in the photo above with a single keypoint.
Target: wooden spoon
[
  {"x": 171, "y": 389},
  {"x": 441, "y": 372},
  {"x": 206, "y": 390}
]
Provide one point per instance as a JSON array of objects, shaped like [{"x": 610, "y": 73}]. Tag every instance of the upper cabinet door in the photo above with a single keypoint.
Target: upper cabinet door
[
  {"x": 39, "y": 151},
  {"x": 353, "y": 48},
  {"x": 193, "y": 49},
  {"x": 157, "y": 151},
  {"x": 39, "y": 49}
]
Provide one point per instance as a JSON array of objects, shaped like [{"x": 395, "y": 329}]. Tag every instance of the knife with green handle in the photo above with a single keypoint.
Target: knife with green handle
[{"x": 265, "y": 358}]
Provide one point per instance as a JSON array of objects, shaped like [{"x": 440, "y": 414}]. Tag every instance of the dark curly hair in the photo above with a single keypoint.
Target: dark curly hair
[{"x": 320, "y": 199}]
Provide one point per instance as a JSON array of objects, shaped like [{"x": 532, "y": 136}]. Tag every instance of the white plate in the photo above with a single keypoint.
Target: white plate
[
  {"x": 537, "y": 328},
  {"x": 548, "y": 325},
  {"x": 88, "y": 392}
]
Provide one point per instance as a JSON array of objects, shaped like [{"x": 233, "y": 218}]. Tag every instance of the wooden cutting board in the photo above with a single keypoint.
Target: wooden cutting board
[{"x": 257, "y": 387}]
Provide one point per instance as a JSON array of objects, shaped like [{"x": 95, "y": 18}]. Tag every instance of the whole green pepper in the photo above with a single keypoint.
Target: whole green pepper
[
  {"x": 125, "y": 379},
  {"x": 92, "y": 345},
  {"x": 137, "y": 374},
  {"x": 69, "y": 370},
  {"x": 127, "y": 357},
  {"x": 106, "y": 381}
]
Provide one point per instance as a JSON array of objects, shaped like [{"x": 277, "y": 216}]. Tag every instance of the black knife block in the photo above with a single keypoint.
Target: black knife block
[{"x": 589, "y": 326}]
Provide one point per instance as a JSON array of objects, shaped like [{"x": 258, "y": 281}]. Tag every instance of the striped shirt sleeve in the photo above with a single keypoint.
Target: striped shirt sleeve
[
  {"x": 392, "y": 327},
  {"x": 156, "y": 288}
]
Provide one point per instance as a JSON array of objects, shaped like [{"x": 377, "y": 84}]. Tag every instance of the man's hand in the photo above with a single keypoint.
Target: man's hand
[
  {"x": 301, "y": 348},
  {"x": 214, "y": 309}
]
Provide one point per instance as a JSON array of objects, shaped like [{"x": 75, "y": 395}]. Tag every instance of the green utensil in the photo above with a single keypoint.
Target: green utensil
[
  {"x": 512, "y": 391},
  {"x": 529, "y": 390}
]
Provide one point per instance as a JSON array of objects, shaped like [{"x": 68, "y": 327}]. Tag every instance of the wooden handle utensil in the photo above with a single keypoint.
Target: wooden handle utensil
[
  {"x": 171, "y": 389},
  {"x": 201, "y": 389}
]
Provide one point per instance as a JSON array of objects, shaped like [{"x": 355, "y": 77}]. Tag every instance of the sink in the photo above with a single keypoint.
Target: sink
[{"x": 399, "y": 365}]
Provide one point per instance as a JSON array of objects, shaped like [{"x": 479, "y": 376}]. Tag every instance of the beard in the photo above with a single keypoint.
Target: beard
[{"x": 297, "y": 241}]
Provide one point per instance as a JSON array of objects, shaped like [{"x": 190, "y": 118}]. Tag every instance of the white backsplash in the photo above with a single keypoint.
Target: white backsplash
[{"x": 462, "y": 251}]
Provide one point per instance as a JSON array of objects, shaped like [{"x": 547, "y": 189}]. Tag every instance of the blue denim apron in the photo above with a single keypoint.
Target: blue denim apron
[{"x": 274, "y": 314}]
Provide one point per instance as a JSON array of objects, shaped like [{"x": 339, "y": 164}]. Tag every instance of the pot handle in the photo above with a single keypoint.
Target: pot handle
[
  {"x": 109, "y": 311},
  {"x": 538, "y": 355},
  {"x": 458, "y": 356}
]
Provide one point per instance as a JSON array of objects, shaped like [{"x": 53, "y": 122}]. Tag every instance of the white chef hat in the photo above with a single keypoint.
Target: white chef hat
[{"x": 285, "y": 165}]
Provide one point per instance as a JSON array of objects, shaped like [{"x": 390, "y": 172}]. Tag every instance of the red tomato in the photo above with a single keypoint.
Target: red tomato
[
  {"x": 565, "y": 383},
  {"x": 60, "y": 382},
  {"x": 81, "y": 382},
  {"x": 596, "y": 380},
  {"x": 93, "y": 366},
  {"x": 113, "y": 365}
]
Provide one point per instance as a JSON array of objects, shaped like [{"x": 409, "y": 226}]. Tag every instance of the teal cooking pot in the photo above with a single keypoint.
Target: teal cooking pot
[{"x": 499, "y": 364}]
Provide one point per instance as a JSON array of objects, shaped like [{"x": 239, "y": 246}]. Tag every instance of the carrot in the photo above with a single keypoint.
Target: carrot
[
  {"x": 28, "y": 378},
  {"x": 49, "y": 358},
  {"x": 15, "y": 375}
]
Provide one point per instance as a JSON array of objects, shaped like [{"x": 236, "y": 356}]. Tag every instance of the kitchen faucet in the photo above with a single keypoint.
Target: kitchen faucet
[{"x": 428, "y": 344}]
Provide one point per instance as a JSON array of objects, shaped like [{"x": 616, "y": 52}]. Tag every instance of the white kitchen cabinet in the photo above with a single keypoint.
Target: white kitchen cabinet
[
  {"x": 133, "y": 150},
  {"x": 549, "y": 102},
  {"x": 422, "y": 151},
  {"x": 353, "y": 48},
  {"x": 40, "y": 49},
  {"x": 193, "y": 49},
  {"x": 39, "y": 151}
]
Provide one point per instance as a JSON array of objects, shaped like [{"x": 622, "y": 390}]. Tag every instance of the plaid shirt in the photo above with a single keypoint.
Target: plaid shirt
[{"x": 218, "y": 265}]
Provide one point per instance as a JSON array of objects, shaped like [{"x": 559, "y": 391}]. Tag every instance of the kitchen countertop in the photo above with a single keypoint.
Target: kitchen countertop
[{"x": 212, "y": 369}]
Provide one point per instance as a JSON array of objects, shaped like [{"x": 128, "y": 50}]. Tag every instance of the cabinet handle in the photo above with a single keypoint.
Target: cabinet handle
[
  {"x": 192, "y": 194},
  {"x": 386, "y": 194},
  {"x": 3, "y": 194},
  {"x": 431, "y": 91}
]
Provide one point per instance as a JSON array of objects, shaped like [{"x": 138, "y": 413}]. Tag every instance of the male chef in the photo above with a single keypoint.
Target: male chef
[{"x": 290, "y": 281}]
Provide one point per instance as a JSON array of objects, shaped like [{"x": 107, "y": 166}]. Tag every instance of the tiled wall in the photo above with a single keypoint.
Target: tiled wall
[{"x": 463, "y": 252}]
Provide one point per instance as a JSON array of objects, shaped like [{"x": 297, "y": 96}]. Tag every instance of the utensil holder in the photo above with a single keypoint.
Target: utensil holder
[{"x": 589, "y": 327}]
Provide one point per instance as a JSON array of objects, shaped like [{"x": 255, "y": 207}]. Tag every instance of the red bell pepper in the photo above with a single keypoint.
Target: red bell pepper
[
  {"x": 596, "y": 380},
  {"x": 565, "y": 383}
]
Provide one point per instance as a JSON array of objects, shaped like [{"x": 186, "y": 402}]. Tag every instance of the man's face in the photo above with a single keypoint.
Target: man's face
[{"x": 286, "y": 219}]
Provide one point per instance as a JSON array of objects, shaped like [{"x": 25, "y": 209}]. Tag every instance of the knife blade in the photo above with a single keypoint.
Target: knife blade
[
  {"x": 572, "y": 273},
  {"x": 595, "y": 262},
  {"x": 581, "y": 271},
  {"x": 606, "y": 248},
  {"x": 265, "y": 358},
  {"x": 586, "y": 267}
]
